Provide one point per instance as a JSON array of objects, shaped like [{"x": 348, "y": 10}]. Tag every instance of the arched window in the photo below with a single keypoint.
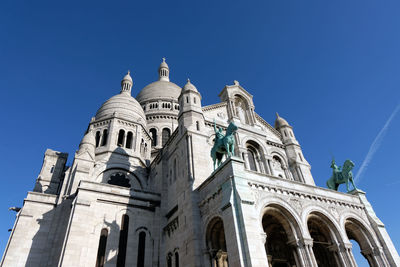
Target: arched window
[
  {"x": 97, "y": 138},
  {"x": 153, "y": 133},
  {"x": 101, "y": 252},
  {"x": 141, "y": 249},
  {"x": 166, "y": 133},
  {"x": 169, "y": 260},
  {"x": 121, "y": 136},
  {"x": 277, "y": 167},
  {"x": 216, "y": 243},
  {"x": 194, "y": 100},
  {"x": 105, "y": 137},
  {"x": 119, "y": 179},
  {"x": 197, "y": 125},
  {"x": 251, "y": 154},
  {"x": 129, "y": 139},
  {"x": 187, "y": 99},
  {"x": 123, "y": 240},
  {"x": 176, "y": 259}
]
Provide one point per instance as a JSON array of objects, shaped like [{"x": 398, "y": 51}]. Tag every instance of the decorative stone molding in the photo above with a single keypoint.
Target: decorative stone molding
[
  {"x": 274, "y": 144},
  {"x": 101, "y": 123},
  {"x": 215, "y": 106},
  {"x": 171, "y": 226},
  {"x": 210, "y": 197},
  {"x": 266, "y": 124},
  {"x": 304, "y": 195}
]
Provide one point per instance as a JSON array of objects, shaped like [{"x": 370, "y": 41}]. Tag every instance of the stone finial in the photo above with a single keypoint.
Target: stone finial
[{"x": 236, "y": 82}]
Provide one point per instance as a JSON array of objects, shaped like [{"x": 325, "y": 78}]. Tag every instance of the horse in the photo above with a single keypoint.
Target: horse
[
  {"x": 341, "y": 176},
  {"x": 224, "y": 145}
]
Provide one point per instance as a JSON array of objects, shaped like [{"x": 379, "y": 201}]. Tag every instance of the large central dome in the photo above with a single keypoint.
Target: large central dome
[
  {"x": 162, "y": 89},
  {"x": 159, "y": 90}
]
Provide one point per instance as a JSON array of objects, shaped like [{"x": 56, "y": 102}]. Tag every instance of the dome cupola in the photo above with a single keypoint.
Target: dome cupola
[
  {"x": 88, "y": 143},
  {"x": 162, "y": 89},
  {"x": 189, "y": 87},
  {"x": 280, "y": 122},
  {"x": 126, "y": 84},
  {"x": 163, "y": 71}
]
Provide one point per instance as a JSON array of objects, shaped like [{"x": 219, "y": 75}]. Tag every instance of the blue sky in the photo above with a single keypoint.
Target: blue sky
[{"x": 331, "y": 68}]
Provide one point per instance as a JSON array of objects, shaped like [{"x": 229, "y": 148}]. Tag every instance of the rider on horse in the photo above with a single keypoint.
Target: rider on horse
[
  {"x": 218, "y": 133},
  {"x": 335, "y": 168}
]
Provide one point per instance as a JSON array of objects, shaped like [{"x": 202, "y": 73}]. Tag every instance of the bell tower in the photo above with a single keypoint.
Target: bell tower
[{"x": 298, "y": 165}]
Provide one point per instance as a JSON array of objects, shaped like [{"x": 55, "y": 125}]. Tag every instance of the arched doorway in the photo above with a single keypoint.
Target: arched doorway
[
  {"x": 357, "y": 232},
  {"x": 321, "y": 231},
  {"x": 216, "y": 244},
  {"x": 280, "y": 231}
]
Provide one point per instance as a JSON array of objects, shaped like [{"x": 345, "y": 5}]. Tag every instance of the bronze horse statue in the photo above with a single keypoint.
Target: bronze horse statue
[
  {"x": 223, "y": 144},
  {"x": 341, "y": 175}
]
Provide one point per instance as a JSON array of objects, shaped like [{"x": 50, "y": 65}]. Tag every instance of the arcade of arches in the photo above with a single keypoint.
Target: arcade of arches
[{"x": 286, "y": 245}]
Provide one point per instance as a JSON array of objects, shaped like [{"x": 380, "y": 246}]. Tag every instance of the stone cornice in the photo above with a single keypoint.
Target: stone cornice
[
  {"x": 262, "y": 121},
  {"x": 271, "y": 143},
  {"x": 214, "y": 106},
  {"x": 302, "y": 194}
]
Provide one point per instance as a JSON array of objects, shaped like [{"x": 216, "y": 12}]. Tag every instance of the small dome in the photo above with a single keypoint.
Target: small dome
[
  {"x": 189, "y": 87},
  {"x": 88, "y": 139},
  {"x": 163, "y": 64},
  {"x": 279, "y": 122},
  {"x": 125, "y": 106},
  {"x": 128, "y": 77},
  {"x": 159, "y": 90}
]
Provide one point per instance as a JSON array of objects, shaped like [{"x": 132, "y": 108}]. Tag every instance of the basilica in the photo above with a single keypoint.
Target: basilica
[{"x": 142, "y": 190}]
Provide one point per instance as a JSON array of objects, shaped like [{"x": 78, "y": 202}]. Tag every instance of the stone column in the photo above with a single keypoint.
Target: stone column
[
  {"x": 287, "y": 172},
  {"x": 309, "y": 253},
  {"x": 375, "y": 256},
  {"x": 340, "y": 255},
  {"x": 347, "y": 248},
  {"x": 266, "y": 164},
  {"x": 260, "y": 165},
  {"x": 246, "y": 159},
  {"x": 304, "y": 252},
  {"x": 270, "y": 168}
]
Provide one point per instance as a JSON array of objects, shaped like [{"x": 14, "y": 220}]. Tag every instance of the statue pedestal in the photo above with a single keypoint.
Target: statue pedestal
[{"x": 356, "y": 192}]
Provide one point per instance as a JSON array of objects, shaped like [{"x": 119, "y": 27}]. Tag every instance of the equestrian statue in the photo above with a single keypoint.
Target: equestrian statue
[
  {"x": 223, "y": 144},
  {"x": 341, "y": 175}
]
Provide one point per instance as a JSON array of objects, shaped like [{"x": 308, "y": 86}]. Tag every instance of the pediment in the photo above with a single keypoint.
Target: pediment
[{"x": 230, "y": 91}]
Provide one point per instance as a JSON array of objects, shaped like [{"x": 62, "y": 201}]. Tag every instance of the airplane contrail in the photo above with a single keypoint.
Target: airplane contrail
[{"x": 375, "y": 145}]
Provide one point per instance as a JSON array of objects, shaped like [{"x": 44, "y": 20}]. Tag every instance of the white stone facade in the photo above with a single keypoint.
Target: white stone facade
[{"x": 137, "y": 196}]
